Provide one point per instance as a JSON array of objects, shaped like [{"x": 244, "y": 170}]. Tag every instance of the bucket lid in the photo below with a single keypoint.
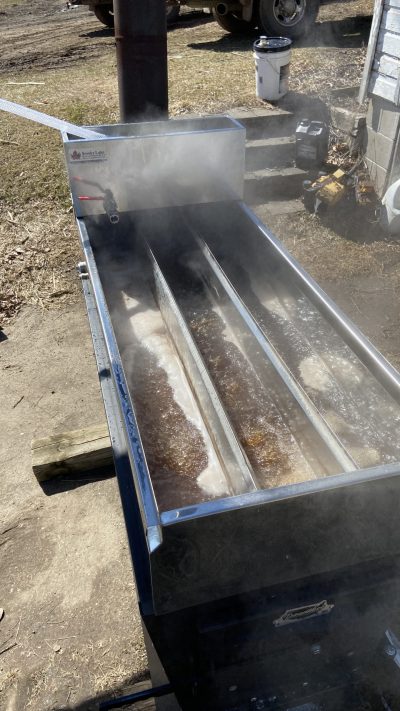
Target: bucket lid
[{"x": 272, "y": 44}]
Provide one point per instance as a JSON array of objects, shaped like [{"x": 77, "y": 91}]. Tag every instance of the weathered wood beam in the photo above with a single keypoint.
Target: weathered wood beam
[{"x": 71, "y": 452}]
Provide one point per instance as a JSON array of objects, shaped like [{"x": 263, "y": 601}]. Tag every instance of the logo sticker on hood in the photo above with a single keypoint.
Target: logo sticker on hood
[{"x": 86, "y": 155}]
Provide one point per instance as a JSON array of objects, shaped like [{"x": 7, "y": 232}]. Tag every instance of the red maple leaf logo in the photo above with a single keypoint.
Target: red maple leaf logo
[{"x": 76, "y": 155}]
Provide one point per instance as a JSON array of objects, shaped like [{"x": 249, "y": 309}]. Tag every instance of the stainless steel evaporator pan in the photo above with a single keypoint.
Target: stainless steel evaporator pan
[{"x": 260, "y": 426}]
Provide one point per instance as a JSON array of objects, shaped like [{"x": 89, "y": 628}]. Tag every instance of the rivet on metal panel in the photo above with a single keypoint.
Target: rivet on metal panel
[
  {"x": 82, "y": 270},
  {"x": 390, "y": 651},
  {"x": 315, "y": 649}
]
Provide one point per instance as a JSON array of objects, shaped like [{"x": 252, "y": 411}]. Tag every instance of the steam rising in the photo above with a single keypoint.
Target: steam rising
[{"x": 164, "y": 164}]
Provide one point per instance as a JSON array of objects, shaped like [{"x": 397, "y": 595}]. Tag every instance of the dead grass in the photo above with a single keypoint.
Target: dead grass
[
  {"x": 339, "y": 10},
  {"x": 112, "y": 671},
  {"x": 38, "y": 252},
  {"x": 321, "y": 69},
  {"x": 38, "y": 243},
  {"x": 211, "y": 71},
  {"x": 330, "y": 257}
]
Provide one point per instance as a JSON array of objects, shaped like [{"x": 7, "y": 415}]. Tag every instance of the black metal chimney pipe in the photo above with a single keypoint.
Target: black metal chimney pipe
[{"x": 141, "y": 42}]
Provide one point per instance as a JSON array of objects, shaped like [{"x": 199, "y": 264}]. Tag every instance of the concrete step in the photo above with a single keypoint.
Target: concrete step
[
  {"x": 270, "y": 153},
  {"x": 265, "y": 123},
  {"x": 265, "y": 185}
]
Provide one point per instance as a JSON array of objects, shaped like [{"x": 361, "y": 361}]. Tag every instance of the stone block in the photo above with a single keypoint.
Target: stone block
[
  {"x": 378, "y": 176},
  {"x": 379, "y": 149},
  {"x": 383, "y": 117}
]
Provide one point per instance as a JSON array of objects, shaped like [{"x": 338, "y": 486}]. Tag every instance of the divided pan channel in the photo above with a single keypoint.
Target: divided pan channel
[{"x": 159, "y": 264}]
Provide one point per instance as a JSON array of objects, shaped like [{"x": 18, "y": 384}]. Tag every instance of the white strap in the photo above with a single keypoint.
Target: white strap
[{"x": 47, "y": 120}]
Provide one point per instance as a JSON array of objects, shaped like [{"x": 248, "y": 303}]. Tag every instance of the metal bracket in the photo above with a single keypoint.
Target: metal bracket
[
  {"x": 299, "y": 614},
  {"x": 81, "y": 268}
]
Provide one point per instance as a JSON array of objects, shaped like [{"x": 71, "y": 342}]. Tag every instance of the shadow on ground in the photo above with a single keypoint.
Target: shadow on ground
[
  {"x": 187, "y": 19},
  {"x": 353, "y": 222},
  {"x": 190, "y": 19},
  {"x": 350, "y": 32},
  {"x": 93, "y": 703},
  {"x": 96, "y": 34},
  {"x": 303, "y": 105},
  {"x": 67, "y": 482}
]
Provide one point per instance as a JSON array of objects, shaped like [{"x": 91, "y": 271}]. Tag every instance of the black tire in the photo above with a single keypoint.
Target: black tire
[
  {"x": 234, "y": 25},
  {"x": 105, "y": 14},
  {"x": 287, "y": 18}
]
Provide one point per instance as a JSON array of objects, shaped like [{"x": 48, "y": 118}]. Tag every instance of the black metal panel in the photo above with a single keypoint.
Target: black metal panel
[
  {"x": 231, "y": 654},
  {"x": 289, "y": 539}
]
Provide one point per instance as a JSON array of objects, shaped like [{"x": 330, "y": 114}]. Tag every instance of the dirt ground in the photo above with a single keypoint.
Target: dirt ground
[
  {"x": 70, "y": 632},
  {"x": 47, "y": 35},
  {"x": 71, "y": 627}
]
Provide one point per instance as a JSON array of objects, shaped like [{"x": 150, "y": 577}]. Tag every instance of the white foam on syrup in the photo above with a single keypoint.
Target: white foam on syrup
[
  {"x": 272, "y": 303},
  {"x": 212, "y": 481},
  {"x": 336, "y": 423},
  {"x": 275, "y": 306},
  {"x": 343, "y": 369},
  {"x": 149, "y": 329},
  {"x": 365, "y": 456},
  {"x": 315, "y": 374}
]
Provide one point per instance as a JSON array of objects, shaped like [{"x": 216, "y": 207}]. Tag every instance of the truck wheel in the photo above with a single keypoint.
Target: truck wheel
[
  {"x": 287, "y": 18},
  {"x": 105, "y": 14},
  {"x": 231, "y": 23}
]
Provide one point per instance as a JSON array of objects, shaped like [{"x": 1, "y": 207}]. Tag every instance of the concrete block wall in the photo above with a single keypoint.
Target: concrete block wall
[{"x": 383, "y": 127}]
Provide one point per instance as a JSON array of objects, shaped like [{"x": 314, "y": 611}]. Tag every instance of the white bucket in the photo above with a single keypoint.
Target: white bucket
[
  {"x": 390, "y": 212},
  {"x": 272, "y": 60}
]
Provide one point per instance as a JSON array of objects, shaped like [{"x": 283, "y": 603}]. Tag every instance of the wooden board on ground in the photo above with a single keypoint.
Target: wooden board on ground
[{"x": 71, "y": 452}]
